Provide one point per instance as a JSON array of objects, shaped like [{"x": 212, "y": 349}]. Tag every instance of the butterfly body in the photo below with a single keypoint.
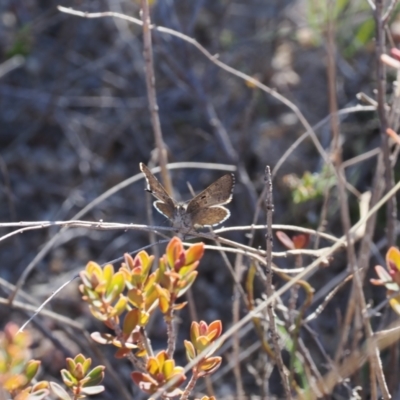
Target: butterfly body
[{"x": 205, "y": 209}]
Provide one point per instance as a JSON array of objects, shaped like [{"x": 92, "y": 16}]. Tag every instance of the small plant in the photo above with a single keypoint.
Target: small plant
[
  {"x": 125, "y": 299},
  {"x": 311, "y": 185},
  {"x": 390, "y": 279},
  {"x": 16, "y": 370},
  {"x": 18, "y": 373}
]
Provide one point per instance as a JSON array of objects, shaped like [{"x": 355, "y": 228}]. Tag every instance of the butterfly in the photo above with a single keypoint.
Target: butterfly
[{"x": 205, "y": 209}]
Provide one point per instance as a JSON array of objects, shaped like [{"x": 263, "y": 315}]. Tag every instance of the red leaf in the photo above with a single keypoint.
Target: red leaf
[
  {"x": 301, "y": 241},
  {"x": 285, "y": 240}
]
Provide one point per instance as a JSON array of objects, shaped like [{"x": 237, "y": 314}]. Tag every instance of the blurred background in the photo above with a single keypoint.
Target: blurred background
[{"x": 74, "y": 122}]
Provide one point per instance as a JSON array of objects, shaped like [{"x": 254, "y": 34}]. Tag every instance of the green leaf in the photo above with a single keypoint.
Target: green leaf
[
  {"x": 201, "y": 343},
  {"x": 70, "y": 364},
  {"x": 365, "y": 32},
  {"x": 31, "y": 369},
  {"x": 144, "y": 318},
  {"x": 22, "y": 43},
  {"x": 120, "y": 306},
  {"x": 67, "y": 378},
  {"x": 96, "y": 375},
  {"x": 80, "y": 358},
  {"x": 188, "y": 283},
  {"x": 108, "y": 273},
  {"x": 340, "y": 6},
  {"x": 130, "y": 322},
  {"x": 190, "y": 351},
  {"x": 115, "y": 287},
  {"x": 40, "y": 394},
  {"x": 86, "y": 365}
]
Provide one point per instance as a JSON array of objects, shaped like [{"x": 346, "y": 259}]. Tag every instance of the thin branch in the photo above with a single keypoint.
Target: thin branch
[
  {"x": 389, "y": 11},
  {"x": 236, "y": 337},
  {"x": 50, "y": 314},
  {"x": 305, "y": 135},
  {"x": 279, "y": 227},
  {"x": 365, "y": 248},
  {"x": 231, "y": 270},
  {"x": 151, "y": 93},
  {"x": 360, "y": 158},
  {"x": 326, "y": 300},
  {"x": 40, "y": 308},
  {"x": 391, "y": 210},
  {"x": 115, "y": 225},
  {"x": 269, "y": 205},
  {"x": 237, "y": 247},
  {"x": 356, "y": 359},
  {"x": 357, "y": 296},
  {"x": 11, "y": 64}
]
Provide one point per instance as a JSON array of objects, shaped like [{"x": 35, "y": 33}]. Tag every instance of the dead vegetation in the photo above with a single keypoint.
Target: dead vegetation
[{"x": 298, "y": 86}]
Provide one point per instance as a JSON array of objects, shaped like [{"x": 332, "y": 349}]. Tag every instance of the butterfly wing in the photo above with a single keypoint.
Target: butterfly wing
[
  {"x": 218, "y": 193},
  {"x": 210, "y": 216},
  {"x": 165, "y": 209},
  {"x": 166, "y": 204}
]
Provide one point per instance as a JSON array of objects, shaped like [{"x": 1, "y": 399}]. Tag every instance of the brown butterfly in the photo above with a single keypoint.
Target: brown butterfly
[{"x": 205, "y": 209}]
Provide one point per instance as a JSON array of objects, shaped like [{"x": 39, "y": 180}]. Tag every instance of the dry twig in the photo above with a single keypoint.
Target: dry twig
[{"x": 269, "y": 208}]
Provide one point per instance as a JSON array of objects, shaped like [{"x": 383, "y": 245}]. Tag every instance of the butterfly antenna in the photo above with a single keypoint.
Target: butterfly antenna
[{"x": 190, "y": 188}]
